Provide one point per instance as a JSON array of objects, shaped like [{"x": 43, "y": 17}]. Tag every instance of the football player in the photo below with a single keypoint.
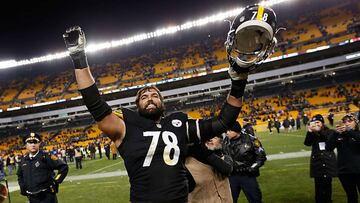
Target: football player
[{"x": 151, "y": 144}]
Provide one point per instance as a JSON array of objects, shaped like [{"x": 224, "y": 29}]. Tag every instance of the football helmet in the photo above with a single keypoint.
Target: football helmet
[{"x": 251, "y": 38}]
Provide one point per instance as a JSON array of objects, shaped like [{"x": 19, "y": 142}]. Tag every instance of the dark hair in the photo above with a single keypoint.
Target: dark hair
[{"x": 146, "y": 89}]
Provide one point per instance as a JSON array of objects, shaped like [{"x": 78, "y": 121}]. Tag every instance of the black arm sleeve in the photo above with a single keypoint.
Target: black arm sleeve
[
  {"x": 237, "y": 88},
  {"x": 98, "y": 108},
  {"x": 223, "y": 166},
  {"x": 202, "y": 130}
]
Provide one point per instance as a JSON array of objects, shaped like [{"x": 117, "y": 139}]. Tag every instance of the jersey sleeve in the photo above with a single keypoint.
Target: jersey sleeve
[{"x": 201, "y": 130}]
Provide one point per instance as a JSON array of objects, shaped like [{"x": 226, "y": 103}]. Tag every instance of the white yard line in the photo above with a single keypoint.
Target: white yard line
[
  {"x": 13, "y": 186},
  {"x": 100, "y": 169},
  {"x": 288, "y": 155}
]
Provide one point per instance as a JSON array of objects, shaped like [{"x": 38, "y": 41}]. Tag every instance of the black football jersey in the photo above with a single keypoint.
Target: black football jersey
[{"x": 154, "y": 157}]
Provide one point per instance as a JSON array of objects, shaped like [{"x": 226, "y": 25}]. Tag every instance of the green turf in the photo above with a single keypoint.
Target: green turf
[
  {"x": 281, "y": 181},
  {"x": 283, "y": 142}
]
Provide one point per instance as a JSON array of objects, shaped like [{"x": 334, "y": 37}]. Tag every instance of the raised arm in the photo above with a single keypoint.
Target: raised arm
[
  {"x": 108, "y": 122},
  {"x": 201, "y": 130}
]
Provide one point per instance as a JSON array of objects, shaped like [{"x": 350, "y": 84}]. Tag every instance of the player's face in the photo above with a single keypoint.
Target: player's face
[
  {"x": 32, "y": 147},
  {"x": 150, "y": 105}
]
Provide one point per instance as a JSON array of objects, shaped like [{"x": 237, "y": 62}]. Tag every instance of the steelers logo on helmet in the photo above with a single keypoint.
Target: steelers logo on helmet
[{"x": 251, "y": 38}]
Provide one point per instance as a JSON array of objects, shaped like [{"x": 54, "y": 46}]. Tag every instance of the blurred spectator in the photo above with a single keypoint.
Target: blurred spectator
[
  {"x": 323, "y": 160},
  {"x": 330, "y": 117},
  {"x": 270, "y": 125},
  {"x": 71, "y": 153},
  {"x": 63, "y": 154},
  {"x": 113, "y": 150},
  {"x": 107, "y": 149},
  {"x": 18, "y": 158},
  {"x": 98, "y": 145},
  {"x": 2, "y": 171},
  {"x": 292, "y": 123},
  {"x": 10, "y": 163},
  {"x": 277, "y": 125},
  {"x": 305, "y": 119},
  {"x": 298, "y": 122},
  {"x": 286, "y": 124},
  {"x": 92, "y": 150},
  {"x": 347, "y": 142},
  {"x": 78, "y": 158}
]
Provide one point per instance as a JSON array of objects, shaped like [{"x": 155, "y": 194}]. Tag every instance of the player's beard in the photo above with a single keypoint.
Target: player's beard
[{"x": 153, "y": 114}]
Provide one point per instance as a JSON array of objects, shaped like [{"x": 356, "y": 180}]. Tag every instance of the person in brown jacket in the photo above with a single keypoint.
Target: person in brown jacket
[
  {"x": 113, "y": 150},
  {"x": 210, "y": 169}
]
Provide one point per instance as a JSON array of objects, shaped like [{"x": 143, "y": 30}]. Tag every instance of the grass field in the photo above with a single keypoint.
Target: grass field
[{"x": 281, "y": 181}]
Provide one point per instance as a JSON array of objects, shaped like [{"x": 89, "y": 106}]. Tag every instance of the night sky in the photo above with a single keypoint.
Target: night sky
[{"x": 33, "y": 28}]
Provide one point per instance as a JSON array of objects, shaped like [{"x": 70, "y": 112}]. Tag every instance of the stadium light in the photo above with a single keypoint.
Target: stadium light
[{"x": 137, "y": 38}]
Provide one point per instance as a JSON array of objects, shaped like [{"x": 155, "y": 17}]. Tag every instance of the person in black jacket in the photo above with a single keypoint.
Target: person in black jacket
[
  {"x": 248, "y": 156},
  {"x": 277, "y": 125},
  {"x": 248, "y": 127},
  {"x": 347, "y": 142},
  {"x": 286, "y": 124},
  {"x": 323, "y": 160},
  {"x": 298, "y": 122},
  {"x": 270, "y": 125},
  {"x": 36, "y": 176},
  {"x": 107, "y": 149},
  {"x": 292, "y": 123}
]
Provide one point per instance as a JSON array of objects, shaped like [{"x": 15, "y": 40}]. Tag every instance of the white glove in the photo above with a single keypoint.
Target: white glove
[{"x": 75, "y": 40}]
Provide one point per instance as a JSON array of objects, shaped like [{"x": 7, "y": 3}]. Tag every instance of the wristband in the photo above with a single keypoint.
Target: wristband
[{"x": 237, "y": 88}]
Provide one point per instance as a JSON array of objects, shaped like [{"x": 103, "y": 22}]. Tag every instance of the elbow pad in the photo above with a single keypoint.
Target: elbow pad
[
  {"x": 98, "y": 108},
  {"x": 226, "y": 118}
]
